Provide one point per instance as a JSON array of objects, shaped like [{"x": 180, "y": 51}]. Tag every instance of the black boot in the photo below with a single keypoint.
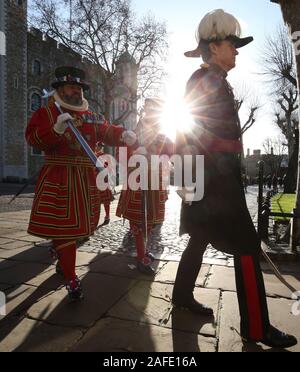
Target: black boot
[
  {"x": 106, "y": 221},
  {"x": 193, "y": 306},
  {"x": 145, "y": 266},
  {"x": 74, "y": 290},
  {"x": 58, "y": 269},
  {"x": 276, "y": 338},
  {"x": 150, "y": 255}
]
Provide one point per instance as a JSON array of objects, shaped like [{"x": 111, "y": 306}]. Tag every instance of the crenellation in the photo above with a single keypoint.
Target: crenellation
[
  {"x": 52, "y": 43},
  {"x": 36, "y": 33}
]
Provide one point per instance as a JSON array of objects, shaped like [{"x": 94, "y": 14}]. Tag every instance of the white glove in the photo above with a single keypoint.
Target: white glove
[
  {"x": 60, "y": 126},
  {"x": 140, "y": 151},
  {"x": 129, "y": 137},
  {"x": 161, "y": 138}
]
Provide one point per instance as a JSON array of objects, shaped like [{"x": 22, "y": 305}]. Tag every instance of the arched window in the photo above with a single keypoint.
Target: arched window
[
  {"x": 35, "y": 102},
  {"x": 124, "y": 105},
  {"x": 36, "y": 67}
]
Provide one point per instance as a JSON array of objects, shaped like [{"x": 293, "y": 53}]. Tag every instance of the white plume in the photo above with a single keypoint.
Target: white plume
[{"x": 218, "y": 25}]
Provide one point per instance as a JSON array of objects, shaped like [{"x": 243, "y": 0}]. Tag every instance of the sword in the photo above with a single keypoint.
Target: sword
[
  {"x": 31, "y": 179},
  {"x": 144, "y": 196},
  {"x": 90, "y": 153}
]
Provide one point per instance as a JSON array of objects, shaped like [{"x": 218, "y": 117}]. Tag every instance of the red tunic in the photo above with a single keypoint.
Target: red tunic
[
  {"x": 130, "y": 203},
  {"x": 67, "y": 202}
]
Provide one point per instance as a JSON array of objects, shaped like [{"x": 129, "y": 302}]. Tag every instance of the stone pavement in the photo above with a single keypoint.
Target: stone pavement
[{"x": 124, "y": 310}]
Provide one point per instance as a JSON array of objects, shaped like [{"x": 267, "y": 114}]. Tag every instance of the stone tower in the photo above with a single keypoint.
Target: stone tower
[
  {"x": 126, "y": 89},
  {"x": 14, "y": 97}
]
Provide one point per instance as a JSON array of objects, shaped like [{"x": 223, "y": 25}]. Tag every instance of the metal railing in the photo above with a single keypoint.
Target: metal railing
[{"x": 265, "y": 211}]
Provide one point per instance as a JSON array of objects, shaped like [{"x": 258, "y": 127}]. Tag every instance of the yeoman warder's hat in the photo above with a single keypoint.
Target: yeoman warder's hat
[
  {"x": 70, "y": 75},
  {"x": 218, "y": 26}
]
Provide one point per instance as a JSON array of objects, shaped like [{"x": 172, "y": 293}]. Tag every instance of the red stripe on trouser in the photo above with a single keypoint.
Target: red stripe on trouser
[
  {"x": 66, "y": 257},
  {"x": 252, "y": 298}
]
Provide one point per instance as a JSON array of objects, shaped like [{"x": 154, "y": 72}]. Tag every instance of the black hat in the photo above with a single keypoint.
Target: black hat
[
  {"x": 218, "y": 26},
  {"x": 69, "y": 75}
]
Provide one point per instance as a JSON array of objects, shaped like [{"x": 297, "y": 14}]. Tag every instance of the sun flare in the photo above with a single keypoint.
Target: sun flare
[{"x": 175, "y": 117}]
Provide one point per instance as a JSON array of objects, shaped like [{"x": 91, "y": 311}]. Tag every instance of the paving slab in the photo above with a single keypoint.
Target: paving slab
[
  {"x": 47, "y": 279},
  {"x": 221, "y": 277},
  {"x": 168, "y": 273},
  {"x": 151, "y": 303},
  {"x": 33, "y": 336},
  {"x": 5, "y": 240},
  {"x": 275, "y": 288},
  {"x": 280, "y": 317},
  {"x": 114, "y": 335},
  {"x": 28, "y": 253},
  {"x": 122, "y": 265},
  {"x": 15, "y": 272},
  {"x": 20, "y": 298},
  {"x": 15, "y": 245},
  {"x": 87, "y": 258},
  {"x": 224, "y": 278},
  {"x": 101, "y": 293},
  {"x": 4, "y": 286}
]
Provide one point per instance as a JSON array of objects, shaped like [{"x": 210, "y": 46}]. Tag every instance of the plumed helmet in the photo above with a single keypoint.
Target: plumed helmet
[{"x": 218, "y": 26}]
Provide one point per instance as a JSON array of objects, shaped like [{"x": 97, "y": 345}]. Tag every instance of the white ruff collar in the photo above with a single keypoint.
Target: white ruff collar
[{"x": 83, "y": 107}]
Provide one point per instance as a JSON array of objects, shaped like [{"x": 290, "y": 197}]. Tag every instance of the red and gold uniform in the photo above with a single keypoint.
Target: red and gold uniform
[
  {"x": 66, "y": 205},
  {"x": 106, "y": 196},
  {"x": 67, "y": 201},
  {"x": 131, "y": 202}
]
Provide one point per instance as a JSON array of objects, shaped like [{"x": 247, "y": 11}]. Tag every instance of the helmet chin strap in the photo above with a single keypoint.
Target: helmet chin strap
[{"x": 83, "y": 107}]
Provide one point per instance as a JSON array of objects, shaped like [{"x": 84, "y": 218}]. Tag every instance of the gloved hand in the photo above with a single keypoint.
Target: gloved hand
[
  {"x": 60, "y": 126},
  {"x": 161, "y": 138},
  {"x": 140, "y": 151},
  {"x": 129, "y": 137}
]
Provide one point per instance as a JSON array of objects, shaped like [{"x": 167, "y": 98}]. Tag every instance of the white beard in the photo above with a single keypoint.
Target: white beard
[{"x": 83, "y": 107}]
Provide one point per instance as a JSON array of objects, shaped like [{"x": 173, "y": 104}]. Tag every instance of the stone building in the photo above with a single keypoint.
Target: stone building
[
  {"x": 28, "y": 68},
  {"x": 273, "y": 164}
]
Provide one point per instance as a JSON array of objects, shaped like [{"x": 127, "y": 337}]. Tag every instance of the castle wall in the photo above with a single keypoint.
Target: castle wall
[
  {"x": 49, "y": 54},
  {"x": 28, "y": 68},
  {"x": 2, "y": 80},
  {"x": 15, "y": 149}
]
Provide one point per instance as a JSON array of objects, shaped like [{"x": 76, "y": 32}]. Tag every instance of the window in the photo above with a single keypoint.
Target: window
[
  {"x": 20, "y": 2},
  {"x": 36, "y": 67},
  {"x": 35, "y": 102},
  {"x": 16, "y": 82},
  {"x": 124, "y": 106}
]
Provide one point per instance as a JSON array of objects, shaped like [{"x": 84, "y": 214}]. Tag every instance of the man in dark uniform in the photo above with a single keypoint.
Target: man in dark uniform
[{"x": 221, "y": 217}]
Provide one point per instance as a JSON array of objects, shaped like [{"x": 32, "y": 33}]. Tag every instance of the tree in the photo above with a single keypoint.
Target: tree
[
  {"x": 291, "y": 16},
  {"x": 288, "y": 123},
  {"x": 275, "y": 151},
  {"x": 105, "y": 32},
  {"x": 245, "y": 97},
  {"x": 279, "y": 67},
  {"x": 278, "y": 61}
]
